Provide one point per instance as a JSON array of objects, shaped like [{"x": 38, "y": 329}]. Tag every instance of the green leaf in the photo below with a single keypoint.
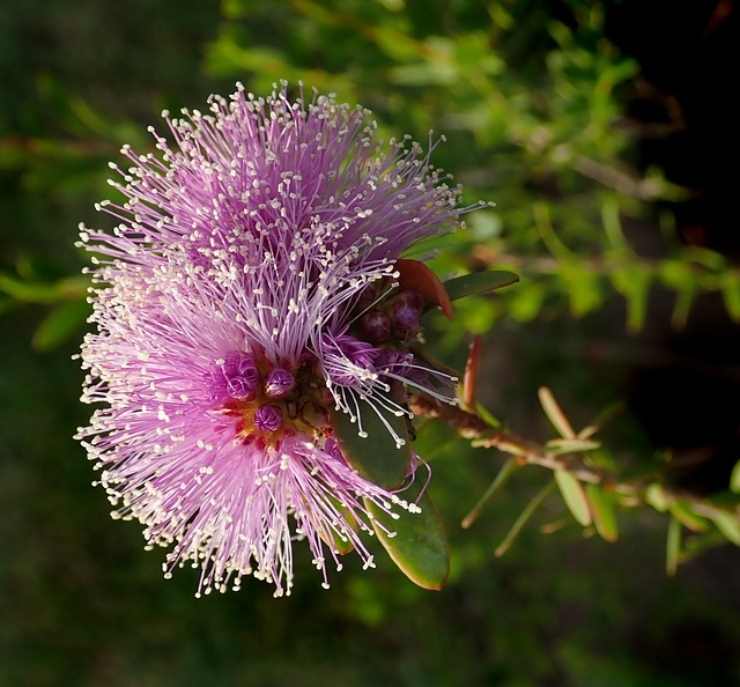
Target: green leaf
[
  {"x": 633, "y": 282},
  {"x": 700, "y": 544},
  {"x": 683, "y": 513},
  {"x": 600, "y": 420},
  {"x": 735, "y": 478},
  {"x": 525, "y": 302},
  {"x": 673, "y": 546},
  {"x": 479, "y": 283},
  {"x": 554, "y": 413},
  {"x": 602, "y": 507},
  {"x": 487, "y": 416},
  {"x": 574, "y": 496},
  {"x": 434, "y": 439},
  {"x": 729, "y": 525},
  {"x": 63, "y": 322},
  {"x": 501, "y": 478},
  {"x": 572, "y": 445},
  {"x": 416, "y": 542},
  {"x": 375, "y": 456},
  {"x": 679, "y": 276},
  {"x": 655, "y": 495},
  {"x": 523, "y": 519},
  {"x": 582, "y": 286},
  {"x": 731, "y": 294},
  {"x": 70, "y": 288},
  {"x": 339, "y": 542},
  {"x": 477, "y": 314}
]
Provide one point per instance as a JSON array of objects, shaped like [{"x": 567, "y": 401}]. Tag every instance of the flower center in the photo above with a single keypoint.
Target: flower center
[{"x": 269, "y": 402}]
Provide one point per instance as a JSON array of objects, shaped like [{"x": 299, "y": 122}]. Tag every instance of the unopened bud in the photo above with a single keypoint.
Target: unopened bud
[
  {"x": 268, "y": 418},
  {"x": 280, "y": 382},
  {"x": 237, "y": 377},
  {"x": 376, "y": 326},
  {"x": 406, "y": 312}
]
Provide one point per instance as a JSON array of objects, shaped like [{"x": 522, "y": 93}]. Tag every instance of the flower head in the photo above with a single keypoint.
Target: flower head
[{"x": 228, "y": 303}]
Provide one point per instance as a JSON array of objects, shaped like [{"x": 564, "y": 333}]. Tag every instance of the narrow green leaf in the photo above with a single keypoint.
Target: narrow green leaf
[
  {"x": 572, "y": 445},
  {"x": 731, "y": 293},
  {"x": 729, "y": 525},
  {"x": 655, "y": 495},
  {"x": 25, "y": 291},
  {"x": 416, "y": 542},
  {"x": 673, "y": 546},
  {"x": 683, "y": 513},
  {"x": 680, "y": 276},
  {"x": 523, "y": 519},
  {"x": 375, "y": 456},
  {"x": 63, "y": 322},
  {"x": 600, "y": 420},
  {"x": 573, "y": 496},
  {"x": 501, "y": 478},
  {"x": 339, "y": 545},
  {"x": 602, "y": 507},
  {"x": 71, "y": 288},
  {"x": 633, "y": 281},
  {"x": 487, "y": 416},
  {"x": 700, "y": 544},
  {"x": 735, "y": 478},
  {"x": 555, "y": 414},
  {"x": 479, "y": 283}
]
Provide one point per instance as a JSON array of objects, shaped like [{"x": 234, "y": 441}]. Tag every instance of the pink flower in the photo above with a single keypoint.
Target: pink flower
[{"x": 227, "y": 305}]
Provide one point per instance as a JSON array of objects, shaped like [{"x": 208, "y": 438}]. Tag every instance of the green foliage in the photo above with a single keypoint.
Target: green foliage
[
  {"x": 374, "y": 454},
  {"x": 71, "y": 288},
  {"x": 729, "y": 525},
  {"x": 603, "y": 511},
  {"x": 592, "y": 487},
  {"x": 62, "y": 323},
  {"x": 523, "y": 519},
  {"x": 415, "y": 541},
  {"x": 478, "y": 283},
  {"x": 539, "y": 129},
  {"x": 735, "y": 478},
  {"x": 500, "y": 480},
  {"x": 524, "y": 131},
  {"x": 673, "y": 546},
  {"x": 555, "y": 414},
  {"x": 534, "y": 110},
  {"x": 574, "y": 496}
]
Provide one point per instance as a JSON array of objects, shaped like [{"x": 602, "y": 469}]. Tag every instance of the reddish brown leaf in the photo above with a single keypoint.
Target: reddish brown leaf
[
  {"x": 470, "y": 379},
  {"x": 417, "y": 276}
]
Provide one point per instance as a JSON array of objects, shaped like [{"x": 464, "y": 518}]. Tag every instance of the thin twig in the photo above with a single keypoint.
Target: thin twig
[{"x": 481, "y": 435}]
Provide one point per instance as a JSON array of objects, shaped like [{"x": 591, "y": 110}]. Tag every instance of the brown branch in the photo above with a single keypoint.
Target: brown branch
[{"x": 481, "y": 435}]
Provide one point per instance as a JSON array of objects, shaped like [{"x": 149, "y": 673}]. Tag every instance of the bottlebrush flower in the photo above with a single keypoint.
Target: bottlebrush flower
[{"x": 227, "y": 306}]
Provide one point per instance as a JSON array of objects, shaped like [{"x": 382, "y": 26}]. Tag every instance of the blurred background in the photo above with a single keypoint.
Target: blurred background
[{"x": 604, "y": 133}]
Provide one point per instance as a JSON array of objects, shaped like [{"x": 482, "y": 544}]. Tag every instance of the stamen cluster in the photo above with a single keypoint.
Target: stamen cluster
[{"x": 243, "y": 295}]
